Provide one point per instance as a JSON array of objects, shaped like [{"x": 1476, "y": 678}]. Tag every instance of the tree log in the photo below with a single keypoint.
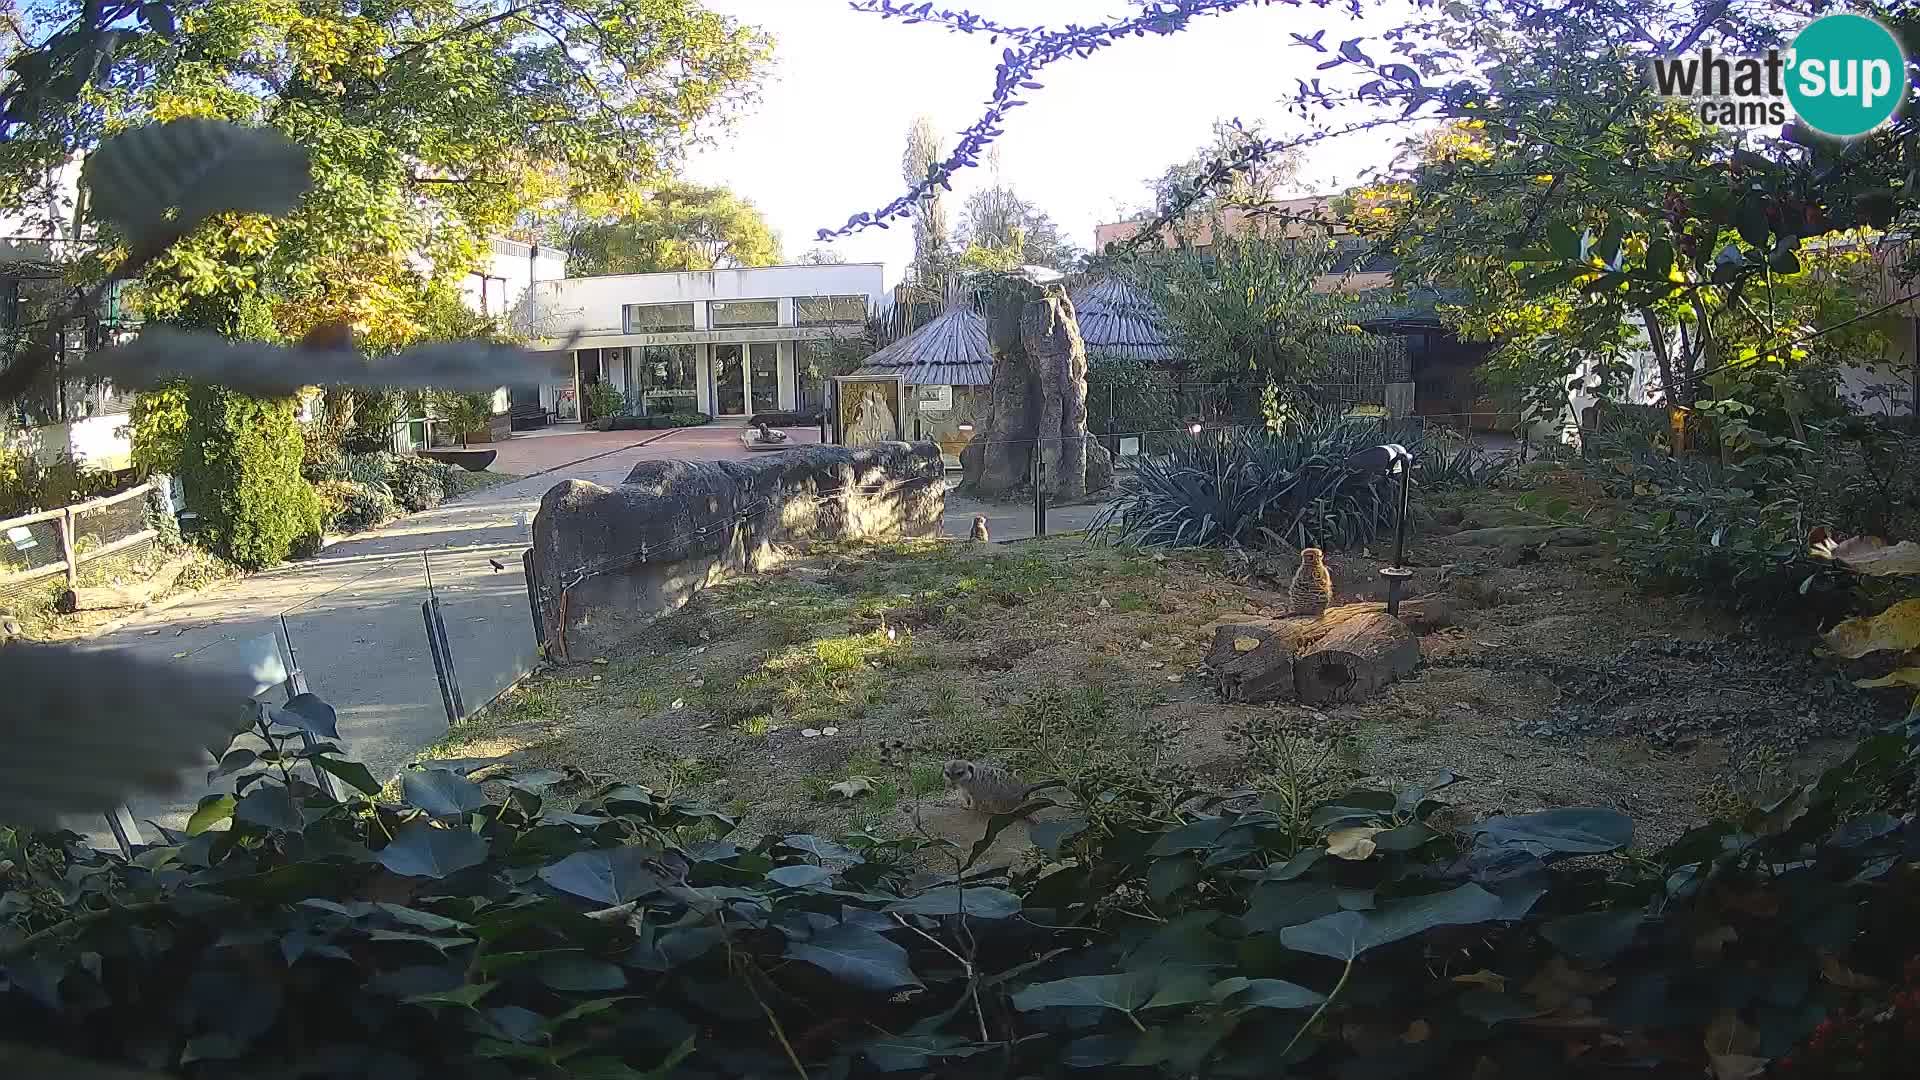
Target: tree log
[{"x": 1347, "y": 654}]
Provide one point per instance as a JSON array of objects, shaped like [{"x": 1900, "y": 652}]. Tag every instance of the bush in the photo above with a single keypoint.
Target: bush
[
  {"x": 157, "y": 428},
  {"x": 1126, "y": 395},
  {"x": 1244, "y": 487},
  {"x": 375, "y": 412},
  {"x": 662, "y": 421},
  {"x": 602, "y": 401},
  {"x": 373, "y": 467},
  {"x": 241, "y": 469},
  {"x": 457, "y": 933},
  {"x": 417, "y": 491},
  {"x": 351, "y": 507},
  {"x": 28, "y": 484}
]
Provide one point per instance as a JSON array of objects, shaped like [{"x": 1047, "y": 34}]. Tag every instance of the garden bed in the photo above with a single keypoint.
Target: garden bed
[{"x": 1558, "y": 685}]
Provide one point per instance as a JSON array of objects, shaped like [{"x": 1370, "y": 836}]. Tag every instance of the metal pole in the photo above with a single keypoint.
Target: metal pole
[
  {"x": 439, "y": 663},
  {"x": 1039, "y": 492},
  {"x": 1397, "y": 574},
  {"x": 296, "y": 685},
  {"x": 533, "y": 599}
]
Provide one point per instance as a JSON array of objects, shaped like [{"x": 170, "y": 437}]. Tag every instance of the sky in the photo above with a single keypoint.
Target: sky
[{"x": 826, "y": 139}]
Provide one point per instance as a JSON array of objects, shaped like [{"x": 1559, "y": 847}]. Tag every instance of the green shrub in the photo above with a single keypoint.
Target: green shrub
[
  {"x": 1249, "y": 487},
  {"x": 602, "y": 401},
  {"x": 240, "y": 465},
  {"x": 28, "y": 484},
  {"x": 350, "y": 507},
  {"x": 662, "y": 421},
  {"x": 157, "y": 428},
  {"x": 372, "y": 467},
  {"x": 454, "y": 931},
  {"x": 418, "y": 483},
  {"x": 375, "y": 412},
  {"x": 1126, "y": 395}
]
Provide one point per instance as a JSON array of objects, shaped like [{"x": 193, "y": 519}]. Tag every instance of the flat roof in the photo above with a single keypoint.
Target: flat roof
[{"x": 724, "y": 270}]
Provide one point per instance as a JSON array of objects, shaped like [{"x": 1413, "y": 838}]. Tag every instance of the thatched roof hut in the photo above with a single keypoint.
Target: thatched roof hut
[
  {"x": 951, "y": 350},
  {"x": 1117, "y": 319}
]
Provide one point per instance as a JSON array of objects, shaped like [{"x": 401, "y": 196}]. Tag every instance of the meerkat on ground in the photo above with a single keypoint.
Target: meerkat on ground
[
  {"x": 989, "y": 788},
  {"x": 980, "y": 528},
  {"x": 1312, "y": 589}
]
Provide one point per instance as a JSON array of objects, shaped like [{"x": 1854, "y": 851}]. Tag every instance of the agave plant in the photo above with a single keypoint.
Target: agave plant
[{"x": 1238, "y": 488}]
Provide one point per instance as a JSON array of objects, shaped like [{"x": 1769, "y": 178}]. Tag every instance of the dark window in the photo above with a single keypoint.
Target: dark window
[
  {"x": 742, "y": 314},
  {"x": 659, "y": 318},
  {"x": 829, "y": 310}
]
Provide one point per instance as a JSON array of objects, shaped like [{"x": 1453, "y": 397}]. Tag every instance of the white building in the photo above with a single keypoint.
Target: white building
[{"x": 729, "y": 343}]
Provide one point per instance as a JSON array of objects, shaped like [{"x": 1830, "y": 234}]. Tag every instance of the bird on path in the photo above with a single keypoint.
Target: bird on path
[{"x": 496, "y": 564}]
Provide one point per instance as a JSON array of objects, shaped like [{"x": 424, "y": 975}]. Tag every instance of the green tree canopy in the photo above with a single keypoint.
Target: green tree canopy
[
  {"x": 675, "y": 225},
  {"x": 997, "y": 219}
]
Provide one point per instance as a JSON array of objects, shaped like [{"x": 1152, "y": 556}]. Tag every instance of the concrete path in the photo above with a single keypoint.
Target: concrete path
[{"x": 352, "y": 613}]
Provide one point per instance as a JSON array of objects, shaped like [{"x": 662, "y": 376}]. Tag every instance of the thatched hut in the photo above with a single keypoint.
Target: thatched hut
[
  {"x": 946, "y": 366},
  {"x": 1117, "y": 319}
]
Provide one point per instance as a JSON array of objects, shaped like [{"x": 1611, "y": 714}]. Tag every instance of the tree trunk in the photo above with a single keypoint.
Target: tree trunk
[{"x": 1347, "y": 654}]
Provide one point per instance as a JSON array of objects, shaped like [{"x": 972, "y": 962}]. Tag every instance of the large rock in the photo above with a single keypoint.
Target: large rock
[
  {"x": 610, "y": 559},
  {"x": 1037, "y": 400}
]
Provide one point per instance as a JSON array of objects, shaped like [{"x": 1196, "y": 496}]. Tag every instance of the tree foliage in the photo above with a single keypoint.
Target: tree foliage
[
  {"x": 675, "y": 225},
  {"x": 932, "y": 239},
  {"x": 997, "y": 220},
  {"x": 1256, "y": 185}
]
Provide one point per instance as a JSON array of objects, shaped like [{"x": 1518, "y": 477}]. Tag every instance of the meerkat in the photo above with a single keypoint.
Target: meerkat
[
  {"x": 1312, "y": 588},
  {"x": 980, "y": 528},
  {"x": 989, "y": 788}
]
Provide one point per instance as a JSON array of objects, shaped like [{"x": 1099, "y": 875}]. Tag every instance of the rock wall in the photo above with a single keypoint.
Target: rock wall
[{"x": 609, "y": 560}]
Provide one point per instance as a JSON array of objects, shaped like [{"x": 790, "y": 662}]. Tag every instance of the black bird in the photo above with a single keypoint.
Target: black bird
[{"x": 496, "y": 564}]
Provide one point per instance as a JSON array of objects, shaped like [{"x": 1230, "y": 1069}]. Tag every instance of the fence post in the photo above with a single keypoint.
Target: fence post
[
  {"x": 441, "y": 668},
  {"x": 1039, "y": 492},
  {"x": 533, "y": 601},
  {"x": 65, "y": 521}
]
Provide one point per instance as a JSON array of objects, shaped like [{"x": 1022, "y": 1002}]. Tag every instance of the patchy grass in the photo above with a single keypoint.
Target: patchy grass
[
  {"x": 1081, "y": 665},
  {"x": 463, "y": 482},
  {"x": 34, "y": 606}
]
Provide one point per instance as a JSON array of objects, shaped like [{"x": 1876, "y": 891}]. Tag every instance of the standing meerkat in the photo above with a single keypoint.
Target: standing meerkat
[
  {"x": 980, "y": 528},
  {"x": 989, "y": 788},
  {"x": 1312, "y": 588}
]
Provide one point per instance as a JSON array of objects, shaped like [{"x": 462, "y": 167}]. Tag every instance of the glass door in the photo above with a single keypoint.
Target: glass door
[
  {"x": 765, "y": 382},
  {"x": 729, "y": 381}
]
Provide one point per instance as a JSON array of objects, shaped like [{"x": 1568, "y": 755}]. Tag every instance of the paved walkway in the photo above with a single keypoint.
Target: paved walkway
[{"x": 352, "y": 613}]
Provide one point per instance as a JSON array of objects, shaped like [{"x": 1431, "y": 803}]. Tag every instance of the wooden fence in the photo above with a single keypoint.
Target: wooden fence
[{"x": 68, "y": 521}]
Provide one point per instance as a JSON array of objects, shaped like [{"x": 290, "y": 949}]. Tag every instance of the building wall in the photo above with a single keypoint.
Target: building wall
[{"x": 590, "y": 311}]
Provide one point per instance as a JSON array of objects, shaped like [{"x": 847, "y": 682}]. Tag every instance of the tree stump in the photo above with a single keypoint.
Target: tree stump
[{"x": 1347, "y": 654}]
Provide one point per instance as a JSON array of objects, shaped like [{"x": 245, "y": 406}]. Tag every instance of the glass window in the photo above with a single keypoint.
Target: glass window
[
  {"x": 765, "y": 357},
  {"x": 811, "y": 362},
  {"x": 665, "y": 378},
  {"x": 742, "y": 314},
  {"x": 659, "y": 318},
  {"x": 729, "y": 380},
  {"x": 829, "y": 310}
]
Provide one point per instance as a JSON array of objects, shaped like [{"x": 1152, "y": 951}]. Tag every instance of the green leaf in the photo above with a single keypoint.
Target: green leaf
[
  {"x": 1049, "y": 835},
  {"x": 980, "y": 901},
  {"x": 1168, "y": 876},
  {"x": 196, "y": 166},
  {"x": 1659, "y": 259},
  {"x": 1265, "y": 994},
  {"x": 309, "y": 714},
  {"x": 213, "y": 810},
  {"x": 575, "y": 972},
  {"x": 233, "y": 762},
  {"x": 1563, "y": 241},
  {"x": 857, "y": 955},
  {"x": 1490, "y": 1007},
  {"x": 352, "y": 772},
  {"x": 898, "y": 1053},
  {"x": 1750, "y": 220},
  {"x": 421, "y": 850},
  {"x": 1347, "y": 934},
  {"x": 464, "y": 996},
  {"x": 1199, "y": 833},
  {"x": 271, "y": 806},
  {"x": 1569, "y": 831},
  {"x": 1125, "y": 992},
  {"x": 607, "y": 876},
  {"x": 1593, "y": 936},
  {"x": 441, "y": 793},
  {"x": 1288, "y": 903},
  {"x": 1180, "y": 984},
  {"x": 799, "y": 875}
]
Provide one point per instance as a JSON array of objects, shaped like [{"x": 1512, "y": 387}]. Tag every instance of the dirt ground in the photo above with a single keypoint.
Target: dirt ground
[{"x": 824, "y": 697}]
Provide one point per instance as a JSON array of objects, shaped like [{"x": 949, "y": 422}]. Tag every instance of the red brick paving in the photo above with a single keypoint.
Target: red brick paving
[{"x": 713, "y": 442}]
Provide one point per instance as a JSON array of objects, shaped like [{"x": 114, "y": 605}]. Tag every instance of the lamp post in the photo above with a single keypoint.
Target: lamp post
[{"x": 1385, "y": 460}]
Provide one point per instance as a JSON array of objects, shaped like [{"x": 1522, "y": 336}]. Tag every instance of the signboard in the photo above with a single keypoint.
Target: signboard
[
  {"x": 869, "y": 410},
  {"x": 932, "y": 399}
]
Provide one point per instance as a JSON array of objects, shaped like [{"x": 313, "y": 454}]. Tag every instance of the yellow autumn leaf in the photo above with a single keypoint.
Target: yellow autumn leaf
[
  {"x": 1906, "y": 676},
  {"x": 1245, "y": 644},
  {"x": 1897, "y": 628},
  {"x": 1872, "y": 555},
  {"x": 1355, "y": 843}
]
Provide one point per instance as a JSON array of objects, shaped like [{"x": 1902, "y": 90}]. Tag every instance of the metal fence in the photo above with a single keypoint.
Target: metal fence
[{"x": 38, "y": 546}]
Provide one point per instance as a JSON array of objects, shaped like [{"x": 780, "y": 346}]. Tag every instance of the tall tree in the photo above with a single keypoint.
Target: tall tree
[
  {"x": 821, "y": 256},
  {"x": 931, "y": 244},
  {"x": 1191, "y": 182},
  {"x": 676, "y": 225},
  {"x": 998, "y": 220},
  {"x": 429, "y": 127}
]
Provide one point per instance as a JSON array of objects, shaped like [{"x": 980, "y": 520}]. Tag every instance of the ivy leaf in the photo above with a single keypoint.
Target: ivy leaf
[
  {"x": 1570, "y": 831},
  {"x": 352, "y": 772},
  {"x": 799, "y": 876},
  {"x": 212, "y": 810},
  {"x": 421, "y": 850},
  {"x": 1265, "y": 994},
  {"x": 1593, "y": 936},
  {"x": 857, "y": 955},
  {"x": 980, "y": 901},
  {"x": 607, "y": 876},
  {"x": 1346, "y": 934},
  {"x": 196, "y": 166},
  {"x": 271, "y": 806},
  {"x": 310, "y": 714},
  {"x": 1125, "y": 992},
  {"x": 441, "y": 793}
]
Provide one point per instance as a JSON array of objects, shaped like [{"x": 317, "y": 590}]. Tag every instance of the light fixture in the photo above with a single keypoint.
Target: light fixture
[
  {"x": 1385, "y": 460},
  {"x": 1193, "y": 429}
]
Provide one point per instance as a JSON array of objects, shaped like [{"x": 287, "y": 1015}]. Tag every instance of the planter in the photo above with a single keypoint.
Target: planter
[{"x": 470, "y": 460}]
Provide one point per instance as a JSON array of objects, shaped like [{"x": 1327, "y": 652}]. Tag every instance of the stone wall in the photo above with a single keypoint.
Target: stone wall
[{"x": 609, "y": 560}]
